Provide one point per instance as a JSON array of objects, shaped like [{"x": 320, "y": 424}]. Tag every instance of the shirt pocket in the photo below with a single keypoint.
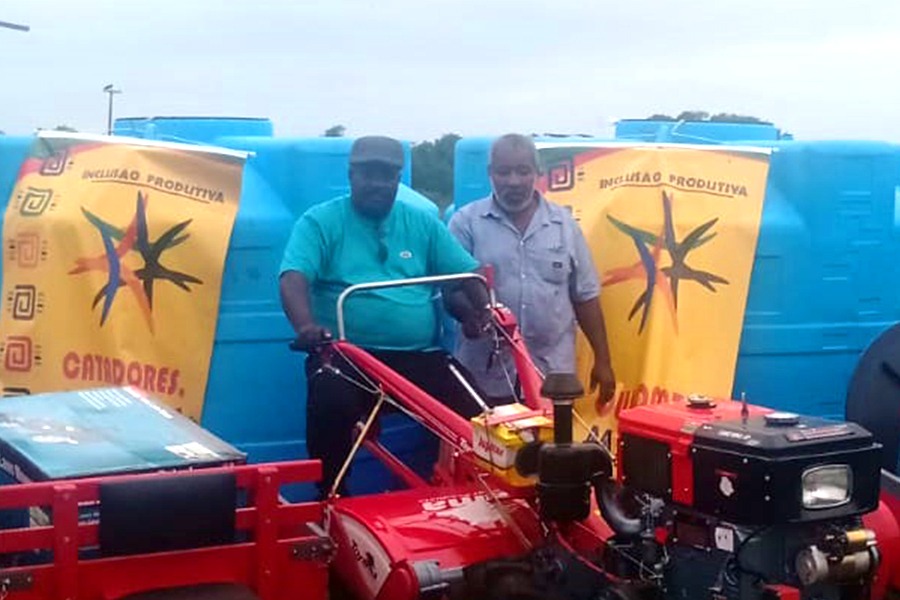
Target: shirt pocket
[{"x": 554, "y": 266}]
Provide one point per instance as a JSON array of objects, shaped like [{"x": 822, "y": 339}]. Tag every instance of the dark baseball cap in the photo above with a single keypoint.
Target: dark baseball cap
[{"x": 377, "y": 148}]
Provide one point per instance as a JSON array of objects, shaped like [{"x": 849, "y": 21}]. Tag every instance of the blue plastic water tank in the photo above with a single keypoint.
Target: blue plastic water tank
[
  {"x": 192, "y": 129},
  {"x": 695, "y": 132},
  {"x": 825, "y": 278},
  {"x": 13, "y": 150}
]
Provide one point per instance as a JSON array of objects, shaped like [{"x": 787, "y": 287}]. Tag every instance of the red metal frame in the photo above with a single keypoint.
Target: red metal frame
[
  {"x": 454, "y": 467},
  {"x": 529, "y": 378},
  {"x": 409, "y": 477},
  {"x": 884, "y": 522},
  {"x": 434, "y": 414},
  {"x": 436, "y": 417},
  {"x": 269, "y": 564}
]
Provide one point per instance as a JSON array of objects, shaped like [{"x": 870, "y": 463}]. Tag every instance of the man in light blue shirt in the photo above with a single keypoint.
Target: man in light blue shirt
[
  {"x": 361, "y": 238},
  {"x": 543, "y": 272}
]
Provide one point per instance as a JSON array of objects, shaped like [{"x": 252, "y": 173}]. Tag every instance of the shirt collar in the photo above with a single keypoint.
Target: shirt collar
[{"x": 382, "y": 227}]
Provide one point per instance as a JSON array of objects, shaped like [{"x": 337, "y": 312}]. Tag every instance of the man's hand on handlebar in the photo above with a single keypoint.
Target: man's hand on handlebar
[
  {"x": 310, "y": 336},
  {"x": 478, "y": 322}
]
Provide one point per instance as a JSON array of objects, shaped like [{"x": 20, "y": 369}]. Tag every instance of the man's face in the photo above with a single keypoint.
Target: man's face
[
  {"x": 373, "y": 187},
  {"x": 513, "y": 175}
]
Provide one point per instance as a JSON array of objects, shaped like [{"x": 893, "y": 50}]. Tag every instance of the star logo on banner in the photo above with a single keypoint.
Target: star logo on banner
[
  {"x": 659, "y": 280},
  {"x": 135, "y": 238}
]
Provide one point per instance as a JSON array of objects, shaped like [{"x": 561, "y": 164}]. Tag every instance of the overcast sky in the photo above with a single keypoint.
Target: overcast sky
[{"x": 420, "y": 68}]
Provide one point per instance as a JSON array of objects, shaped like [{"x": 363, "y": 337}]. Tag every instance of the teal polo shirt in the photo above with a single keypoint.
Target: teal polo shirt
[{"x": 334, "y": 247}]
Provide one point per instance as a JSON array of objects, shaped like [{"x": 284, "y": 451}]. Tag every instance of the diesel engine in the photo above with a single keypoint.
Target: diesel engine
[{"x": 721, "y": 500}]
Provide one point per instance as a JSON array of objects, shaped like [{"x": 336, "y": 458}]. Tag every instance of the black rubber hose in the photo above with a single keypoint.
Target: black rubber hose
[{"x": 607, "y": 493}]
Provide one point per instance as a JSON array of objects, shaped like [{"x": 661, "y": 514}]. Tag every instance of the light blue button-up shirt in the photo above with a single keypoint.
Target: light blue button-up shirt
[{"x": 538, "y": 275}]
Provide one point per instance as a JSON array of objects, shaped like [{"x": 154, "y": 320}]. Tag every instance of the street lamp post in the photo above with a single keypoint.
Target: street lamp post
[{"x": 112, "y": 91}]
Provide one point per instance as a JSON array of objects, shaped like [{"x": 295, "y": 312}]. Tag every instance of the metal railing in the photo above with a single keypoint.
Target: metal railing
[{"x": 377, "y": 285}]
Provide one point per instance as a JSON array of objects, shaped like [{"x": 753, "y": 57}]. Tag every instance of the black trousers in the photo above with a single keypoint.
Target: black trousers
[{"x": 334, "y": 405}]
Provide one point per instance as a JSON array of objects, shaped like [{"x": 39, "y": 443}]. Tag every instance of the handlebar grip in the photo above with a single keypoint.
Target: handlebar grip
[{"x": 297, "y": 345}]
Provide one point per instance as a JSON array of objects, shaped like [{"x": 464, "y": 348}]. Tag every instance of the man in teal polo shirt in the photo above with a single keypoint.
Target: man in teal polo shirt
[{"x": 361, "y": 238}]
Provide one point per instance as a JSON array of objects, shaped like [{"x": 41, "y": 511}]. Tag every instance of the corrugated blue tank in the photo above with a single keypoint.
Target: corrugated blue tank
[
  {"x": 192, "y": 130},
  {"x": 696, "y": 132},
  {"x": 13, "y": 150},
  {"x": 256, "y": 396},
  {"x": 825, "y": 278}
]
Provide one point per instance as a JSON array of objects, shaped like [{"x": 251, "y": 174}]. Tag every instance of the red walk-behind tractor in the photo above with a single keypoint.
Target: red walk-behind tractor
[{"x": 701, "y": 498}]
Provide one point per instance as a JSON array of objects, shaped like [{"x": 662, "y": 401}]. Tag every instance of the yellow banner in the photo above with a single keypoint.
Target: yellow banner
[
  {"x": 673, "y": 232},
  {"x": 113, "y": 253}
]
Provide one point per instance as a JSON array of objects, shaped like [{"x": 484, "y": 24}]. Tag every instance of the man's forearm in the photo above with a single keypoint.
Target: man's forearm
[
  {"x": 457, "y": 303},
  {"x": 477, "y": 293},
  {"x": 590, "y": 319},
  {"x": 295, "y": 300}
]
